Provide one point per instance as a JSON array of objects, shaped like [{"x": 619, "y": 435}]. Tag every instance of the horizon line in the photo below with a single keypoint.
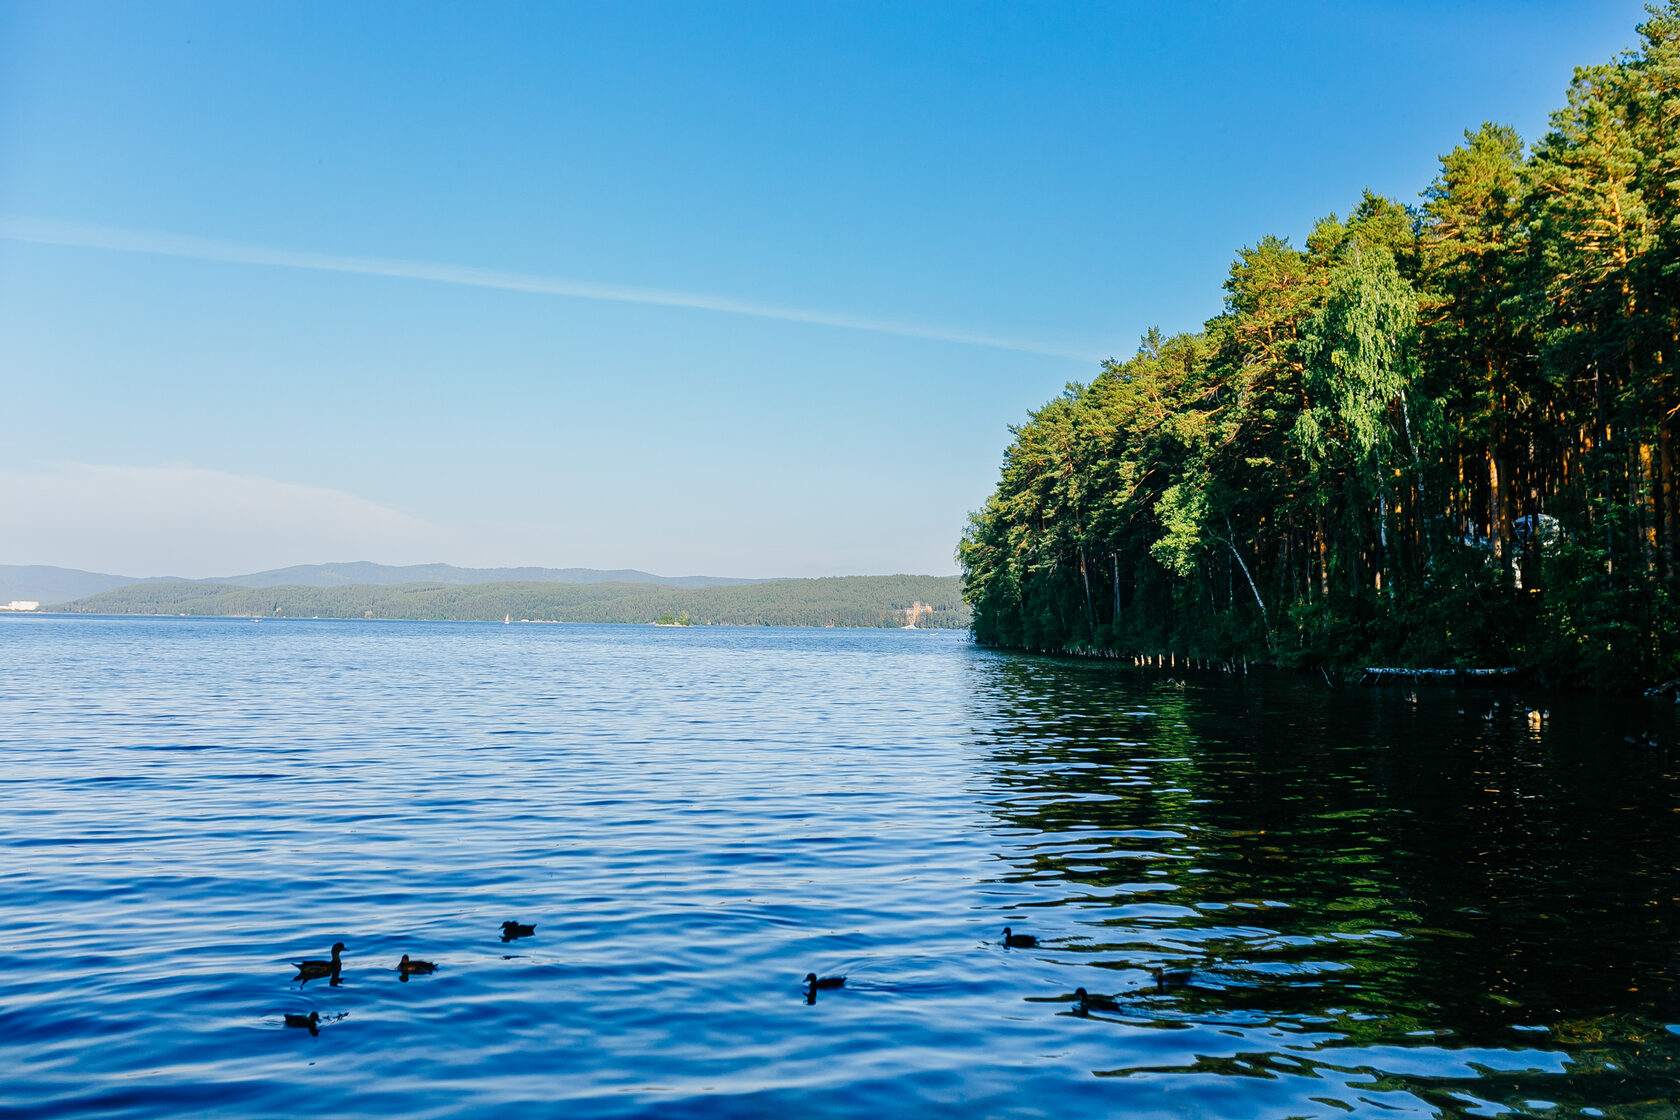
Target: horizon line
[
  {"x": 186, "y": 246},
  {"x": 479, "y": 568}
]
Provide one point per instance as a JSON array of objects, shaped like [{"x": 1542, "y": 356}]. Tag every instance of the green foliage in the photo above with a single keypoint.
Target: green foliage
[
  {"x": 1182, "y": 512},
  {"x": 1360, "y": 352},
  {"x": 1354, "y": 460},
  {"x": 1601, "y": 630}
]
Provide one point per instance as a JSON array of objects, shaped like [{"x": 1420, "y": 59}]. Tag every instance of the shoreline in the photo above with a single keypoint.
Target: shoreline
[{"x": 1351, "y": 675}]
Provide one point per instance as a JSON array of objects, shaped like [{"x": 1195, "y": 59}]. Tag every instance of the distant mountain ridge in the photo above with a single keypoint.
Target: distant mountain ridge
[
  {"x": 47, "y": 584},
  {"x": 363, "y": 573}
]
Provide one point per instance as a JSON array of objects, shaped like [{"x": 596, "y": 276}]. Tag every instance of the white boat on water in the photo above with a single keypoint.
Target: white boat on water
[{"x": 507, "y": 620}]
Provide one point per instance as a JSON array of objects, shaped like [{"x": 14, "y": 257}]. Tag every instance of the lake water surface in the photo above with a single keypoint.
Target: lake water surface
[{"x": 1447, "y": 907}]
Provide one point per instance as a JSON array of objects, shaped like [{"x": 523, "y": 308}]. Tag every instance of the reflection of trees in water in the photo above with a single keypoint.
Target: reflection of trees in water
[{"x": 1443, "y": 865}]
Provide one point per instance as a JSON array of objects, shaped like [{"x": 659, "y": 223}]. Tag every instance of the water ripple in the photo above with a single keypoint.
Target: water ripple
[{"x": 1385, "y": 907}]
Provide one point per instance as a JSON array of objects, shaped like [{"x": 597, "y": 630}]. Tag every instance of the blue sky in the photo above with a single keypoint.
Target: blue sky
[{"x": 741, "y": 289}]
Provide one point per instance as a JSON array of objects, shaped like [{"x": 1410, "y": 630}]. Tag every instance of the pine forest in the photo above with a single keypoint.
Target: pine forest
[{"x": 1435, "y": 434}]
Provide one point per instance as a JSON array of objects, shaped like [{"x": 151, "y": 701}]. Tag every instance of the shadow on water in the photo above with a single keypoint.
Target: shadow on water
[{"x": 1467, "y": 896}]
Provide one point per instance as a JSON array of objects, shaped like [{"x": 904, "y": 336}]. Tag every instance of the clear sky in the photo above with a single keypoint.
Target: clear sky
[{"x": 735, "y": 289}]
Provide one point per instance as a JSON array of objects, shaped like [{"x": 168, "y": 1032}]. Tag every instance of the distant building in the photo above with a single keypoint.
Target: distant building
[{"x": 23, "y": 605}]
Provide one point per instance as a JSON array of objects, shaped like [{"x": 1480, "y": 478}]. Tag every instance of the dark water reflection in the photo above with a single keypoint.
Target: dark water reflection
[
  {"x": 1466, "y": 899},
  {"x": 1440, "y": 907}
]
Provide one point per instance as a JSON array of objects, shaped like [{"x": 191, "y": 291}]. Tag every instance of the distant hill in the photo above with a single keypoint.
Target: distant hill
[
  {"x": 387, "y": 575},
  {"x": 838, "y": 601},
  {"x": 47, "y": 584}
]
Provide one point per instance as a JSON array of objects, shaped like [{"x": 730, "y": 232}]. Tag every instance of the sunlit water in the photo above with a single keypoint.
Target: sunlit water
[{"x": 1390, "y": 908}]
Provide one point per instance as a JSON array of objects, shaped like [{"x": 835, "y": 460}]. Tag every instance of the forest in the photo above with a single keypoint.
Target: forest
[
  {"x": 1439, "y": 434},
  {"x": 881, "y": 601}
]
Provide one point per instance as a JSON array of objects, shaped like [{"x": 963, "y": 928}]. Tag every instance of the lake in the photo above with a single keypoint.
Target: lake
[{"x": 1465, "y": 902}]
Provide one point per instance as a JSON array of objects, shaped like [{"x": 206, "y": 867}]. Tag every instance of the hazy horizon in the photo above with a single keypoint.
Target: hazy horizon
[{"x": 267, "y": 569}]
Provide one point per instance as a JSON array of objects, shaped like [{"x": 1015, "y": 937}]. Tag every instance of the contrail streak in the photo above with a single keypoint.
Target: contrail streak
[{"x": 40, "y": 232}]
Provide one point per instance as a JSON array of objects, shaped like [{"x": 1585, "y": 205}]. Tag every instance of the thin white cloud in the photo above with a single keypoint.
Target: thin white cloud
[
  {"x": 188, "y": 521},
  {"x": 42, "y": 232}
]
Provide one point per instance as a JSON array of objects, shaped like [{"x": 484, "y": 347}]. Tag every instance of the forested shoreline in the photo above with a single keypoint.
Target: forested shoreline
[
  {"x": 1440, "y": 434},
  {"x": 845, "y": 601}
]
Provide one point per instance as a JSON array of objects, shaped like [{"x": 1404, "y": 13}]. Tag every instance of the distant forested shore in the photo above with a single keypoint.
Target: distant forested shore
[
  {"x": 879, "y": 601},
  {"x": 1439, "y": 435}
]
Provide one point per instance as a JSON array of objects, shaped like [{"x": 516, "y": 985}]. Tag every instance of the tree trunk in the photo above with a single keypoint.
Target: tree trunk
[
  {"x": 1090, "y": 611},
  {"x": 1114, "y": 559},
  {"x": 1323, "y": 562},
  {"x": 1665, "y": 447},
  {"x": 1650, "y": 496},
  {"x": 1423, "y": 516},
  {"x": 1265, "y": 619},
  {"x": 1382, "y": 531},
  {"x": 1499, "y": 506}
]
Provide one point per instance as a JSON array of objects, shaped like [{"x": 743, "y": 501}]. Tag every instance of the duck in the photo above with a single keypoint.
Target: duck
[
  {"x": 1171, "y": 978},
  {"x": 414, "y": 968},
  {"x": 314, "y": 970},
  {"x": 310, "y": 1022},
  {"x": 1019, "y": 940},
  {"x": 1085, "y": 1002},
  {"x": 814, "y": 984},
  {"x": 512, "y": 930}
]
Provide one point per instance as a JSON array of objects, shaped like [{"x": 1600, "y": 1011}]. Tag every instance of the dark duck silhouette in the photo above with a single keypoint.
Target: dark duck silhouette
[
  {"x": 1171, "y": 978},
  {"x": 310, "y": 1022},
  {"x": 407, "y": 968},
  {"x": 815, "y": 984},
  {"x": 1085, "y": 1002},
  {"x": 513, "y": 930},
  {"x": 314, "y": 970},
  {"x": 1019, "y": 940}
]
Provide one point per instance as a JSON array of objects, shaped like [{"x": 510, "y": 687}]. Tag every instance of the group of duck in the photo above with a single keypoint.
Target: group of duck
[
  {"x": 1084, "y": 1002},
  {"x": 1087, "y": 1002},
  {"x": 332, "y": 969}
]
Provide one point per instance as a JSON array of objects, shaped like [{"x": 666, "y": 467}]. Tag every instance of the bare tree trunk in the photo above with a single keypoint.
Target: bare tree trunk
[
  {"x": 1090, "y": 611},
  {"x": 1266, "y": 620},
  {"x": 1114, "y": 559}
]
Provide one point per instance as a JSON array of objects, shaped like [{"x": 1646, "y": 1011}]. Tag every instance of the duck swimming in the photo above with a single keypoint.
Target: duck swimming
[
  {"x": 512, "y": 930},
  {"x": 309, "y": 1022},
  {"x": 1085, "y": 1002},
  {"x": 414, "y": 968},
  {"x": 815, "y": 984},
  {"x": 1019, "y": 940},
  {"x": 314, "y": 970},
  {"x": 1176, "y": 978}
]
